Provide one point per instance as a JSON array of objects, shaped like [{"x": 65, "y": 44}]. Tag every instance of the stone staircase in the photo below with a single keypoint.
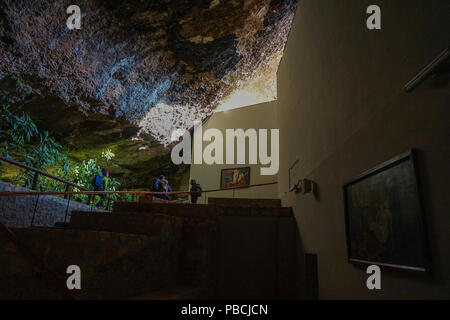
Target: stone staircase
[{"x": 227, "y": 249}]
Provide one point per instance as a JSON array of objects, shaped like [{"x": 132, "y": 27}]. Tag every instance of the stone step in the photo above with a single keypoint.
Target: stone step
[
  {"x": 155, "y": 199},
  {"x": 194, "y": 236},
  {"x": 202, "y": 211},
  {"x": 219, "y": 245},
  {"x": 113, "y": 265},
  {"x": 135, "y": 223},
  {"x": 61, "y": 225},
  {"x": 212, "y": 247},
  {"x": 242, "y": 202}
]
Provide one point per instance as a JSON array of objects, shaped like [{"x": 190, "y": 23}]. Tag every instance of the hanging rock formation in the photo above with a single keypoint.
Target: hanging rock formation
[
  {"x": 160, "y": 64},
  {"x": 135, "y": 71}
]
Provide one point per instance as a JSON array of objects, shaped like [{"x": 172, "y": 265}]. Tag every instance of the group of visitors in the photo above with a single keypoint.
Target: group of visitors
[{"x": 160, "y": 185}]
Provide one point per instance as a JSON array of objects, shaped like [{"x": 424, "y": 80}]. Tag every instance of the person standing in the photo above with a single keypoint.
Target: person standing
[
  {"x": 157, "y": 185},
  {"x": 100, "y": 183},
  {"x": 166, "y": 188},
  {"x": 195, "y": 187},
  {"x": 161, "y": 184}
]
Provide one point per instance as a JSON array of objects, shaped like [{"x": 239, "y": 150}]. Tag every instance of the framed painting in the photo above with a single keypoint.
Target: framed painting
[
  {"x": 235, "y": 177},
  {"x": 385, "y": 223}
]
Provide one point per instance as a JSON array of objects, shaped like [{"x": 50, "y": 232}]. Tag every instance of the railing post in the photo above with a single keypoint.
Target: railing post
[
  {"x": 35, "y": 181},
  {"x": 68, "y": 201},
  {"x": 67, "y": 190},
  {"x": 34, "y": 212}
]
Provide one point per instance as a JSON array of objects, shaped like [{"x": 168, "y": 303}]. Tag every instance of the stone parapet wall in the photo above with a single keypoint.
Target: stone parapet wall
[
  {"x": 113, "y": 265},
  {"x": 194, "y": 237},
  {"x": 17, "y": 211}
]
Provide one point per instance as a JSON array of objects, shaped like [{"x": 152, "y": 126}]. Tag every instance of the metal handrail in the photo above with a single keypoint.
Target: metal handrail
[
  {"x": 68, "y": 194},
  {"x": 25, "y": 250},
  {"x": 29, "y": 254},
  {"x": 54, "y": 193},
  {"x": 89, "y": 192},
  {"x": 41, "y": 264},
  {"x": 38, "y": 262},
  {"x": 40, "y": 172}
]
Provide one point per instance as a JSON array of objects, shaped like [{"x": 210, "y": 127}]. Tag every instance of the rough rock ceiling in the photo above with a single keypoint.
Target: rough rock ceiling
[{"x": 160, "y": 64}]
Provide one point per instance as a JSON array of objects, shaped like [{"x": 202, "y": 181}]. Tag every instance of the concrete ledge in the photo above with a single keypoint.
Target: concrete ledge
[
  {"x": 242, "y": 202},
  {"x": 204, "y": 211}
]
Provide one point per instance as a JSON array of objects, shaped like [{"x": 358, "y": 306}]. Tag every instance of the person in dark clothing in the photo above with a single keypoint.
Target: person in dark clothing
[
  {"x": 195, "y": 187},
  {"x": 157, "y": 185},
  {"x": 100, "y": 183},
  {"x": 166, "y": 188},
  {"x": 161, "y": 184}
]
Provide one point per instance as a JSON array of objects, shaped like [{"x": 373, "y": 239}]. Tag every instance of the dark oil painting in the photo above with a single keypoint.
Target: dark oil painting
[
  {"x": 235, "y": 177},
  {"x": 384, "y": 216}
]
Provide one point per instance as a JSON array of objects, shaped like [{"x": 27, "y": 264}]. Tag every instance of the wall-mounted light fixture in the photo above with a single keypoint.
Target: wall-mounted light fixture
[
  {"x": 428, "y": 70},
  {"x": 303, "y": 186},
  {"x": 297, "y": 183}
]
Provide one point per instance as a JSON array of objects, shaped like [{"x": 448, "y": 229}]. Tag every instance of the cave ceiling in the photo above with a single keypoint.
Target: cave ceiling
[{"x": 139, "y": 69}]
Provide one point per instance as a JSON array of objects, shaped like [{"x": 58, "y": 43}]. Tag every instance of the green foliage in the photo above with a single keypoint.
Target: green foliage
[
  {"x": 47, "y": 154},
  {"x": 108, "y": 154},
  {"x": 41, "y": 151},
  {"x": 15, "y": 131},
  {"x": 83, "y": 175}
]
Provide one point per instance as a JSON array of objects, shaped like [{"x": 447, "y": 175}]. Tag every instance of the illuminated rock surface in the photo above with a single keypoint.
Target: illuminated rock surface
[{"x": 141, "y": 67}]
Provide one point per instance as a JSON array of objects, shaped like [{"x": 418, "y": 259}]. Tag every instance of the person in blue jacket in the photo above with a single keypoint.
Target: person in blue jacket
[
  {"x": 100, "y": 182},
  {"x": 161, "y": 184}
]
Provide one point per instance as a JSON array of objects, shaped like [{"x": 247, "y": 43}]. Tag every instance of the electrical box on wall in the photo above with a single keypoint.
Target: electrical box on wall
[
  {"x": 303, "y": 186},
  {"x": 298, "y": 184}
]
